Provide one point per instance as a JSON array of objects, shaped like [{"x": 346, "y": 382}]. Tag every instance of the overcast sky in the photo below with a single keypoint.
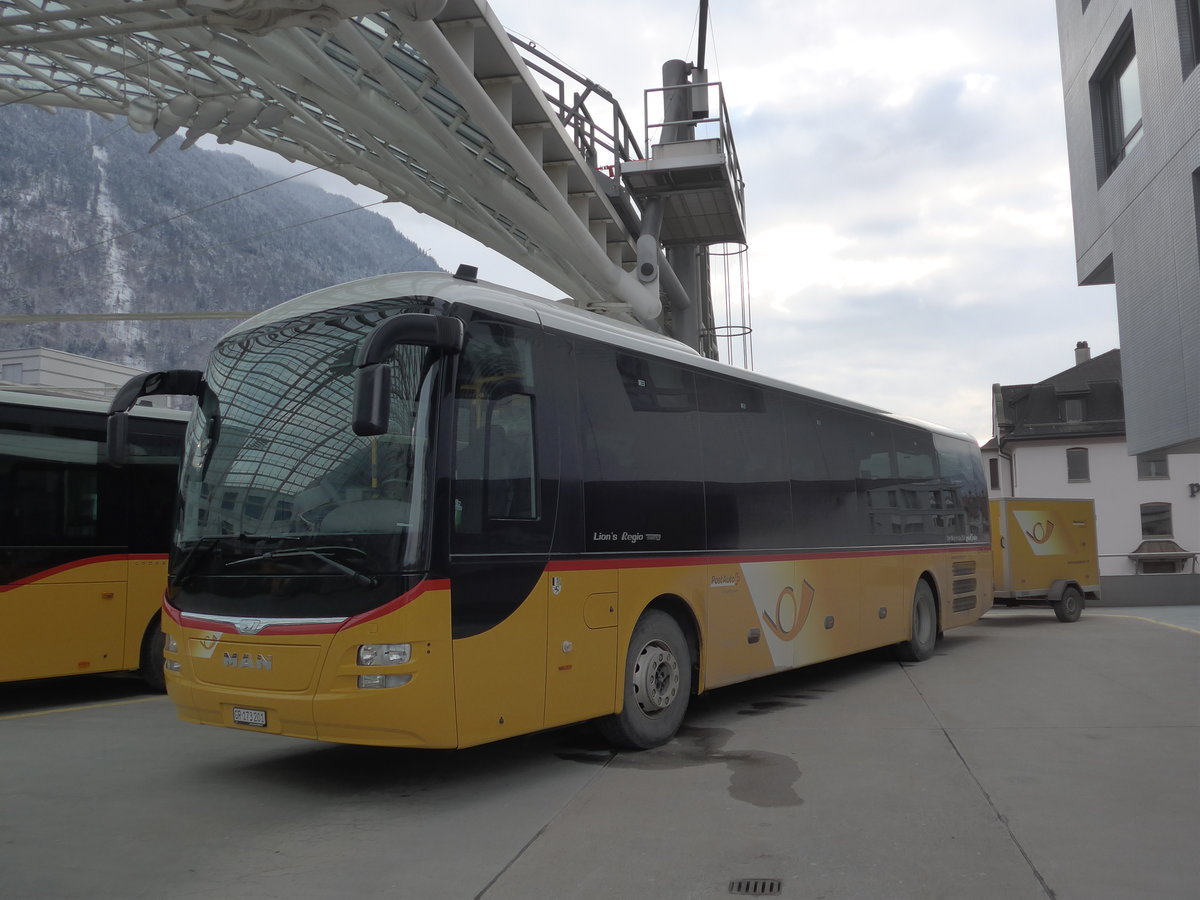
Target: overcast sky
[{"x": 907, "y": 193}]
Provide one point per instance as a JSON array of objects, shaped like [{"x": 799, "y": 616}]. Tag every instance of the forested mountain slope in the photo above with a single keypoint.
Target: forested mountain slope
[{"x": 92, "y": 222}]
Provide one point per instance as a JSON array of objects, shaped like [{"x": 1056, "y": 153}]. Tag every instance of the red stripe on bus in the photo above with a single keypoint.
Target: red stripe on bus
[
  {"x": 76, "y": 564},
  {"x": 435, "y": 584}
]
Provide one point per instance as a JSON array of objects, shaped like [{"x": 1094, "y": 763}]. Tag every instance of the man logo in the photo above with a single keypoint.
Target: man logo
[{"x": 234, "y": 660}]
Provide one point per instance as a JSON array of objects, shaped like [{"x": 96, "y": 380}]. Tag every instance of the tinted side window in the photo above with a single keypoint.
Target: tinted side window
[
  {"x": 53, "y": 488},
  {"x": 961, "y": 470},
  {"x": 914, "y": 506},
  {"x": 746, "y": 480},
  {"x": 643, "y": 485},
  {"x": 824, "y": 464}
]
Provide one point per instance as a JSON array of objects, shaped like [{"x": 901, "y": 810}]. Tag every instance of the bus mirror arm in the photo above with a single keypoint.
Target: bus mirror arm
[
  {"x": 414, "y": 329},
  {"x": 186, "y": 382},
  {"x": 372, "y": 377}
]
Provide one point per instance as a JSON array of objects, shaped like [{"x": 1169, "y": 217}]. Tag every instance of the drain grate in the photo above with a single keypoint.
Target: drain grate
[{"x": 756, "y": 887}]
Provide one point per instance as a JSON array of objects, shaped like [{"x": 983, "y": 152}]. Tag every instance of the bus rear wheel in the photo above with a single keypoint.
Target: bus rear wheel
[
  {"x": 924, "y": 626},
  {"x": 658, "y": 683}
]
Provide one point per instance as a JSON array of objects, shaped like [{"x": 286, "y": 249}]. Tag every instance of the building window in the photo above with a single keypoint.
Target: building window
[
  {"x": 1152, "y": 465},
  {"x": 1077, "y": 464},
  {"x": 1156, "y": 520},
  {"x": 1159, "y": 567},
  {"x": 1072, "y": 409},
  {"x": 994, "y": 473},
  {"x": 1196, "y": 200},
  {"x": 1188, "y": 12},
  {"x": 1117, "y": 101}
]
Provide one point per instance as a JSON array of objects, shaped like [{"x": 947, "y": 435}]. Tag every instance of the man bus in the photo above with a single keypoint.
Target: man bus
[{"x": 423, "y": 511}]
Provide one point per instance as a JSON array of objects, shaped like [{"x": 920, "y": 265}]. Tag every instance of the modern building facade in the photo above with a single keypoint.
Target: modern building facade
[
  {"x": 1065, "y": 437},
  {"x": 1131, "y": 87}
]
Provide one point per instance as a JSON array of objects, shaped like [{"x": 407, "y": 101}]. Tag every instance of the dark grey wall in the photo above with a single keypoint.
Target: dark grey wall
[
  {"x": 1148, "y": 590},
  {"x": 1139, "y": 228}
]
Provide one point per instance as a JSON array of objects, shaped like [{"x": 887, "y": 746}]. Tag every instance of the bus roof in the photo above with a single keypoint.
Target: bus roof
[{"x": 558, "y": 315}]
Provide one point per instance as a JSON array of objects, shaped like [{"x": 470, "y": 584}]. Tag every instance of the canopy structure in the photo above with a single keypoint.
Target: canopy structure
[{"x": 429, "y": 102}]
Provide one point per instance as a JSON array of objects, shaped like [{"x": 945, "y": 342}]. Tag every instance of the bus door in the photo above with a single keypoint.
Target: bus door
[{"x": 504, "y": 495}]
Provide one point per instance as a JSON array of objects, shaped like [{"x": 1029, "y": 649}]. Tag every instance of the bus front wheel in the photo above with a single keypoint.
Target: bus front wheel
[
  {"x": 658, "y": 683},
  {"x": 924, "y": 626},
  {"x": 151, "y": 662}
]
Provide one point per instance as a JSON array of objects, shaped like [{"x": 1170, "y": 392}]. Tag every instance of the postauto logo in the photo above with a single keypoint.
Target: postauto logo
[{"x": 1044, "y": 534}]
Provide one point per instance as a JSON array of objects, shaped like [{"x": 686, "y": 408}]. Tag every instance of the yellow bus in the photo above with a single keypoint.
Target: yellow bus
[
  {"x": 424, "y": 511},
  {"x": 83, "y": 543}
]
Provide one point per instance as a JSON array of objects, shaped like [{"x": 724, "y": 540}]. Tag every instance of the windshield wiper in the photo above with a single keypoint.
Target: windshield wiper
[
  {"x": 320, "y": 553},
  {"x": 179, "y": 575}
]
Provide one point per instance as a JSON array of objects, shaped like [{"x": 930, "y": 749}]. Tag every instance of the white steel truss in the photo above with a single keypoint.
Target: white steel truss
[{"x": 428, "y": 102}]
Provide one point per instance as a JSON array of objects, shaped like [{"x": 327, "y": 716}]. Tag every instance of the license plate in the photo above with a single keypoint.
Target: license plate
[{"x": 243, "y": 716}]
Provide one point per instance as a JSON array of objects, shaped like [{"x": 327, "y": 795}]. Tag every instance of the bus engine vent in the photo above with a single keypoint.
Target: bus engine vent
[{"x": 756, "y": 887}]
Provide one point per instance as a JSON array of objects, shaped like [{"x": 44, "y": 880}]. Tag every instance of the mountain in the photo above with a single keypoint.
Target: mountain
[{"x": 90, "y": 221}]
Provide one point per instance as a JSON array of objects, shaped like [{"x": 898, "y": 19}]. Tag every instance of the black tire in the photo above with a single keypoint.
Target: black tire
[
  {"x": 1070, "y": 606},
  {"x": 658, "y": 684},
  {"x": 924, "y": 626},
  {"x": 151, "y": 660}
]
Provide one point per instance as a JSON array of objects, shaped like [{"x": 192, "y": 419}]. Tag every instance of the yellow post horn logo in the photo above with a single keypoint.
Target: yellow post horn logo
[
  {"x": 799, "y": 611},
  {"x": 1040, "y": 533}
]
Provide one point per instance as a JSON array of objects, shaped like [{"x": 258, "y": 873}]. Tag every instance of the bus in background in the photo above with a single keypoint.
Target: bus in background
[
  {"x": 419, "y": 510},
  {"x": 83, "y": 543}
]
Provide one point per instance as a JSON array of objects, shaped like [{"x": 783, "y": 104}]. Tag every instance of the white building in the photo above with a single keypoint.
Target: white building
[
  {"x": 65, "y": 374},
  {"x": 1065, "y": 437}
]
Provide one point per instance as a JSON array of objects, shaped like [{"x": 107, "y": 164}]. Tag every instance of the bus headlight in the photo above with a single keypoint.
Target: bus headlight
[
  {"x": 383, "y": 681},
  {"x": 169, "y": 645},
  {"x": 384, "y": 654}
]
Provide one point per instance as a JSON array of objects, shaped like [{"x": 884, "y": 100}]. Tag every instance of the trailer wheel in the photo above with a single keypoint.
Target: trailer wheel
[
  {"x": 924, "y": 626},
  {"x": 1070, "y": 607},
  {"x": 658, "y": 683}
]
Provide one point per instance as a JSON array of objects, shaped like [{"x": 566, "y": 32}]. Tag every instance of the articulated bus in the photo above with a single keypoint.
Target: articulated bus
[
  {"x": 421, "y": 511},
  {"x": 83, "y": 543}
]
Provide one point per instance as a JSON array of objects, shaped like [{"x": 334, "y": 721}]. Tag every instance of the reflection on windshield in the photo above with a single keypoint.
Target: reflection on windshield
[{"x": 274, "y": 456}]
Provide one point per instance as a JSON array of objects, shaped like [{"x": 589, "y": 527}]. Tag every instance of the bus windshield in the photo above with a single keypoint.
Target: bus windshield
[{"x": 274, "y": 478}]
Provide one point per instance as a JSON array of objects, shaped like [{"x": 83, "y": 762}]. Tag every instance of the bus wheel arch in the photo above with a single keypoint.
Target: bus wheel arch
[
  {"x": 150, "y": 658},
  {"x": 658, "y": 679},
  {"x": 926, "y": 625}
]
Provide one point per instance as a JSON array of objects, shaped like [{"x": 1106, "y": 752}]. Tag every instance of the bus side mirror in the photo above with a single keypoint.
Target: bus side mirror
[
  {"x": 186, "y": 382},
  {"x": 372, "y": 377},
  {"x": 118, "y": 438},
  {"x": 372, "y": 386}
]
